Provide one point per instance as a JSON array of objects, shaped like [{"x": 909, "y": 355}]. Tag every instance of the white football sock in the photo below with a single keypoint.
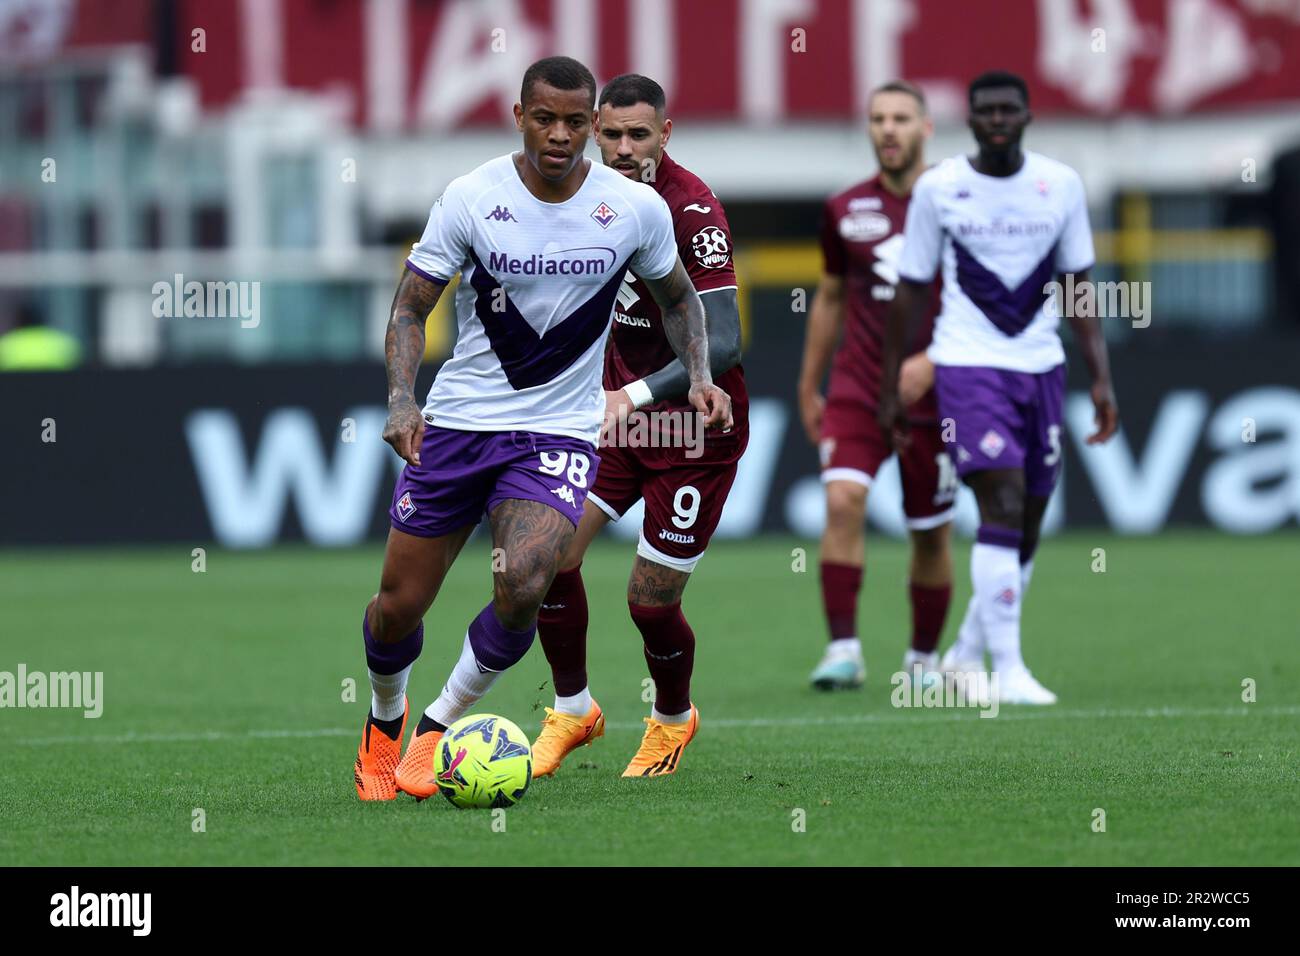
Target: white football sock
[
  {"x": 465, "y": 688},
  {"x": 1026, "y": 572},
  {"x": 577, "y": 705},
  {"x": 388, "y": 693},
  {"x": 844, "y": 647},
  {"x": 970, "y": 637},
  {"x": 995, "y": 577},
  {"x": 914, "y": 657},
  {"x": 670, "y": 718}
]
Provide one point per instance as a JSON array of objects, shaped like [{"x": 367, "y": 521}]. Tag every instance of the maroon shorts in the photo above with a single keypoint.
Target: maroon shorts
[
  {"x": 684, "y": 494},
  {"x": 853, "y": 448}
]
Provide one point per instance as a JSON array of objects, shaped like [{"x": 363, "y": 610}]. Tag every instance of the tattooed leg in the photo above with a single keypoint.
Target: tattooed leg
[
  {"x": 654, "y": 596},
  {"x": 653, "y": 585},
  {"x": 532, "y": 538}
]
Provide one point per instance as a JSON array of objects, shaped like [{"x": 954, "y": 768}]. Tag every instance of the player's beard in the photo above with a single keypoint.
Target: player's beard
[{"x": 908, "y": 156}]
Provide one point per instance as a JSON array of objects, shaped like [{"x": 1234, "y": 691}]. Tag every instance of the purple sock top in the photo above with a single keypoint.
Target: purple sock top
[
  {"x": 390, "y": 658},
  {"x": 1000, "y": 537},
  {"x": 496, "y": 647}
]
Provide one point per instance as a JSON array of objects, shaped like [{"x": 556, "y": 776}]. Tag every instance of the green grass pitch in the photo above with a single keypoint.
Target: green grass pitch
[{"x": 223, "y": 691}]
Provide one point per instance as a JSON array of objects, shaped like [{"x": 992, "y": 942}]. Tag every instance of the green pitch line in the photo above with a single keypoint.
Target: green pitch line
[{"x": 223, "y": 692}]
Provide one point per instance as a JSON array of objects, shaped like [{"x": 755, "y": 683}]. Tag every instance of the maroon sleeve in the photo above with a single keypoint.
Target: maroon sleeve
[
  {"x": 832, "y": 245},
  {"x": 704, "y": 243}
]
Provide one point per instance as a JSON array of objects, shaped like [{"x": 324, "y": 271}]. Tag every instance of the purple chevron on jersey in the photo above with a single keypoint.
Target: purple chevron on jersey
[
  {"x": 1011, "y": 310},
  {"x": 530, "y": 359}
]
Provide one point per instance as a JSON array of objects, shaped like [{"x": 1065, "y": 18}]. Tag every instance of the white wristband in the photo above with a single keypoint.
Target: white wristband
[{"x": 639, "y": 392}]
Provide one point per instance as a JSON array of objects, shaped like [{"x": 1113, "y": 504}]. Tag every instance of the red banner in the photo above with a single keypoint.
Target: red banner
[{"x": 439, "y": 64}]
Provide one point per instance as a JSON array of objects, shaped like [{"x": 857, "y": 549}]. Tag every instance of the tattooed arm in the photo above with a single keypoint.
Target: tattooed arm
[
  {"x": 684, "y": 326},
  {"x": 403, "y": 348}
]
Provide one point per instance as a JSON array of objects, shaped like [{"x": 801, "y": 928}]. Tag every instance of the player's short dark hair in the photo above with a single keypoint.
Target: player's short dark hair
[
  {"x": 902, "y": 86},
  {"x": 631, "y": 89},
  {"x": 993, "y": 79},
  {"x": 561, "y": 72}
]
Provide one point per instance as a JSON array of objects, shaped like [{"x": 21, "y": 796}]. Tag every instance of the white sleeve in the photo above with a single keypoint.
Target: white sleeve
[
  {"x": 922, "y": 234},
  {"x": 657, "y": 254},
  {"x": 445, "y": 245},
  {"x": 1074, "y": 252}
]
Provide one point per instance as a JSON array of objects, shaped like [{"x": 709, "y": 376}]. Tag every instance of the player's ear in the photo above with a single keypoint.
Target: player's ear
[
  {"x": 519, "y": 117},
  {"x": 667, "y": 132}
]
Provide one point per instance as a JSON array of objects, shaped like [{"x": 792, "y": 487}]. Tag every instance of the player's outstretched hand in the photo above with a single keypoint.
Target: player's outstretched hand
[
  {"x": 915, "y": 378},
  {"x": 893, "y": 421},
  {"x": 1107, "y": 412},
  {"x": 812, "y": 408},
  {"x": 714, "y": 404},
  {"x": 618, "y": 406},
  {"x": 404, "y": 430}
]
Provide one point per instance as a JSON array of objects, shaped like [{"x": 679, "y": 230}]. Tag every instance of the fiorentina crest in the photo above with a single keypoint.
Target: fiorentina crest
[{"x": 604, "y": 215}]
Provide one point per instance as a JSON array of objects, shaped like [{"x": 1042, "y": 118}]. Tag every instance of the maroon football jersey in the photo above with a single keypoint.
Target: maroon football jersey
[
  {"x": 862, "y": 239},
  {"x": 638, "y": 345}
]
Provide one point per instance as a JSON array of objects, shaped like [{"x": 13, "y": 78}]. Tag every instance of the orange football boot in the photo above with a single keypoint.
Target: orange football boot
[
  {"x": 415, "y": 773},
  {"x": 662, "y": 746},
  {"x": 561, "y": 735},
  {"x": 377, "y": 760}
]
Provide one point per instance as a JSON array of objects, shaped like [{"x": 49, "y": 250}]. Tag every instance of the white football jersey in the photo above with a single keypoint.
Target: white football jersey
[
  {"x": 537, "y": 291},
  {"x": 1000, "y": 241}
]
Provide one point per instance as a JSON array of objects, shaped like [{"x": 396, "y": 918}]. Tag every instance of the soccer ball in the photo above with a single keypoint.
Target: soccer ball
[{"x": 483, "y": 761}]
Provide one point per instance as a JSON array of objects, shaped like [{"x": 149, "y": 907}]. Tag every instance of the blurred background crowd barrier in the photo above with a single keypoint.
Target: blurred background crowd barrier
[{"x": 284, "y": 154}]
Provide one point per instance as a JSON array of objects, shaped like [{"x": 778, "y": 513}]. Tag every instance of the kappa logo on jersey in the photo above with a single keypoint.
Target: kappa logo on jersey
[
  {"x": 501, "y": 214},
  {"x": 604, "y": 215},
  {"x": 565, "y": 494},
  {"x": 992, "y": 443},
  {"x": 711, "y": 247},
  {"x": 405, "y": 506},
  {"x": 698, "y": 208},
  {"x": 865, "y": 226}
]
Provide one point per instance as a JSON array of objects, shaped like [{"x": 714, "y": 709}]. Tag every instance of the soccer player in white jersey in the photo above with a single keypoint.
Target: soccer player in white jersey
[
  {"x": 541, "y": 239},
  {"x": 1003, "y": 225}
]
